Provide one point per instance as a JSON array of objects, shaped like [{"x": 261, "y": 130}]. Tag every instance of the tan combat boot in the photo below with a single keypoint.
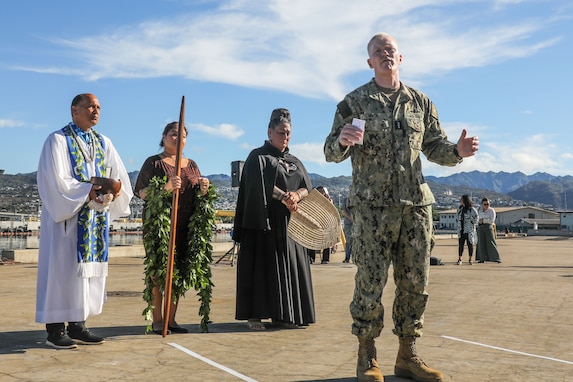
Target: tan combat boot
[
  {"x": 409, "y": 365},
  {"x": 367, "y": 369}
]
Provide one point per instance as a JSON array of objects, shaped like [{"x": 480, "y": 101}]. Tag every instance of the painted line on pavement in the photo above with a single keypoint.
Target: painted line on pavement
[
  {"x": 212, "y": 363},
  {"x": 509, "y": 350}
]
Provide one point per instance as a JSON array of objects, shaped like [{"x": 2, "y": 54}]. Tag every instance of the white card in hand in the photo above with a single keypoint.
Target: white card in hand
[{"x": 359, "y": 123}]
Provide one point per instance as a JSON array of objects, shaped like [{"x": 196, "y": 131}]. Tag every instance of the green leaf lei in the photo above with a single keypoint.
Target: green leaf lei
[{"x": 195, "y": 271}]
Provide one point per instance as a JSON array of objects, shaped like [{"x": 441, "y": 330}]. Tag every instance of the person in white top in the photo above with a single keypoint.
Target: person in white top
[
  {"x": 73, "y": 253},
  {"x": 487, "y": 245}
]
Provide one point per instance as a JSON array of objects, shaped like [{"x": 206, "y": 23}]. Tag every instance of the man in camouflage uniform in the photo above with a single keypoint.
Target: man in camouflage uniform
[{"x": 391, "y": 203}]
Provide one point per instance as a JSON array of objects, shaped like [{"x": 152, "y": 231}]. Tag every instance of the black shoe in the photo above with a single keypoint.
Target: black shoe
[
  {"x": 158, "y": 328},
  {"x": 60, "y": 341},
  {"x": 175, "y": 328},
  {"x": 57, "y": 336},
  {"x": 345, "y": 261},
  {"x": 82, "y": 335}
]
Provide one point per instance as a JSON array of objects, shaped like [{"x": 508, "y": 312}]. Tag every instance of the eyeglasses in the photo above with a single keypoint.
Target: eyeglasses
[{"x": 486, "y": 204}]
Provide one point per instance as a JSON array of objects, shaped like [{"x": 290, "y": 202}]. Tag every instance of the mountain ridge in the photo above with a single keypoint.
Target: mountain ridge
[{"x": 545, "y": 189}]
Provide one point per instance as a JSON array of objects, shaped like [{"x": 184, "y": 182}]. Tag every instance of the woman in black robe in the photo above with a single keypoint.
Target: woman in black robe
[{"x": 273, "y": 271}]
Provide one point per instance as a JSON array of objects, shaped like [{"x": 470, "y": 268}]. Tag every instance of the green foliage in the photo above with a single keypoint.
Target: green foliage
[
  {"x": 193, "y": 269},
  {"x": 157, "y": 226},
  {"x": 200, "y": 253}
]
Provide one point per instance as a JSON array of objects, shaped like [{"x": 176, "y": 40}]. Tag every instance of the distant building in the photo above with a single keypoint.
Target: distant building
[
  {"x": 524, "y": 225},
  {"x": 448, "y": 219},
  {"x": 15, "y": 222},
  {"x": 512, "y": 218},
  {"x": 566, "y": 220},
  {"x": 509, "y": 216}
]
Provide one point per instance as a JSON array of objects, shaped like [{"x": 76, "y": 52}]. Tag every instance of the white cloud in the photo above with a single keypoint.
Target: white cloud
[
  {"x": 8, "y": 123},
  {"x": 528, "y": 155},
  {"x": 502, "y": 4},
  {"x": 224, "y": 130},
  {"x": 247, "y": 146},
  {"x": 309, "y": 152},
  {"x": 302, "y": 47}
]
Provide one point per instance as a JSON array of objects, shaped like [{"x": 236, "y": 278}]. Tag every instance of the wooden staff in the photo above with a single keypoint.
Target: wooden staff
[{"x": 172, "y": 234}]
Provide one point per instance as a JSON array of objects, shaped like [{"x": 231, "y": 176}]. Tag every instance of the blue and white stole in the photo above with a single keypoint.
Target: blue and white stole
[{"x": 92, "y": 226}]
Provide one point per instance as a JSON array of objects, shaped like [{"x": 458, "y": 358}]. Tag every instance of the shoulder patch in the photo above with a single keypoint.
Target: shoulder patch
[{"x": 344, "y": 109}]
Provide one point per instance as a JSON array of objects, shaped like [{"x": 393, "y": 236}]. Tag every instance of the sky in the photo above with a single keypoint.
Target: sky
[{"x": 500, "y": 69}]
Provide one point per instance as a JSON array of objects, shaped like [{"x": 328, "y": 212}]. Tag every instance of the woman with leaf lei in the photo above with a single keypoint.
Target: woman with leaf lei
[{"x": 196, "y": 216}]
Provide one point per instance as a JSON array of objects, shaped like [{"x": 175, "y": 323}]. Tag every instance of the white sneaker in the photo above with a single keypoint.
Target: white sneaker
[{"x": 459, "y": 262}]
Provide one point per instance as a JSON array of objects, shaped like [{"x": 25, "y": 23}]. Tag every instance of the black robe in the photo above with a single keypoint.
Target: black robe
[{"x": 273, "y": 271}]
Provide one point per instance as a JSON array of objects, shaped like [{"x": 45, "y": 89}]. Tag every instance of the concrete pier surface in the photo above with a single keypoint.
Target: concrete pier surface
[{"x": 485, "y": 322}]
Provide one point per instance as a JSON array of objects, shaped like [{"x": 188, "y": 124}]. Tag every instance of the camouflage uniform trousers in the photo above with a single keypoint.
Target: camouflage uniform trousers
[{"x": 402, "y": 236}]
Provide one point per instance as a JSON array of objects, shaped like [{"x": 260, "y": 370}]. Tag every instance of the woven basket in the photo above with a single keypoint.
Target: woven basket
[{"x": 316, "y": 223}]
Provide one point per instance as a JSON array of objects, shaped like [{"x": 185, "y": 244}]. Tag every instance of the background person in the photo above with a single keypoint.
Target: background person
[
  {"x": 273, "y": 271},
  {"x": 467, "y": 218},
  {"x": 487, "y": 244},
  {"x": 348, "y": 221},
  {"x": 326, "y": 251},
  {"x": 73, "y": 251},
  {"x": 190, "y": 184},
  {"x": 391, "y": 203}
]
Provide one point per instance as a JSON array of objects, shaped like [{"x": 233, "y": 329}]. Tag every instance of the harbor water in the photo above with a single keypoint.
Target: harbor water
[{"x": 116, "y": 239}]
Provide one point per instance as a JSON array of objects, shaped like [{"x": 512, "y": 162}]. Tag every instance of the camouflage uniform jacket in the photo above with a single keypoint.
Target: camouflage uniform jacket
[{"x": 386, "y": 169}]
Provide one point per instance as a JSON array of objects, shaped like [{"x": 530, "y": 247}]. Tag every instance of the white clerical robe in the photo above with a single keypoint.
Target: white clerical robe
[{"x": 62, "y": 294}]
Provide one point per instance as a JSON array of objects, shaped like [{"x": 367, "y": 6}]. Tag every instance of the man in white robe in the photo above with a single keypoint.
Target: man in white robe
[{"x": 71, "y": 284}]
